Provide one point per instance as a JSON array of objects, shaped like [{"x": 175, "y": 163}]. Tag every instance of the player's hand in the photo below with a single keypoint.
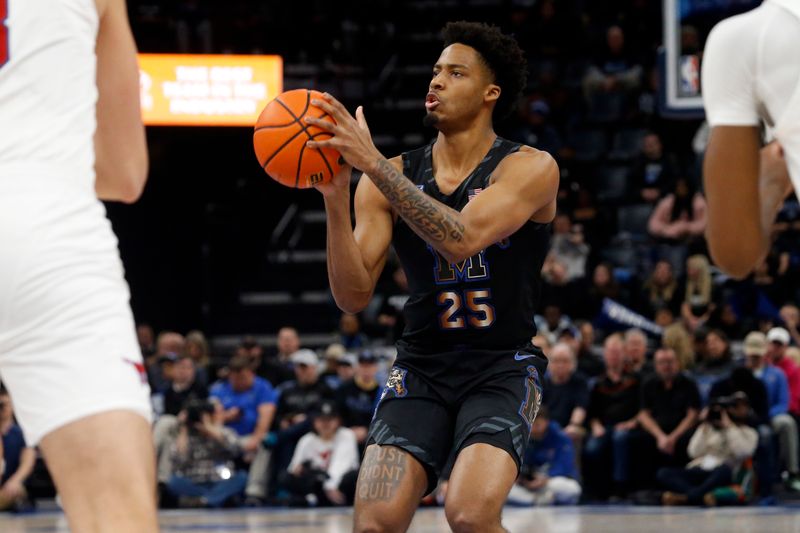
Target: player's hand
[
  {"x": 351, "y": 136},
  {"x": 340, "y": 184}
]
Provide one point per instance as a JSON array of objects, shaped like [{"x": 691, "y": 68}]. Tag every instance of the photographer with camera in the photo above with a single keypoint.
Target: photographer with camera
[
  {"x": 202, "y": 454},
  {"x": 324, "y": 466},
  {"x": 719, "y": 447}
]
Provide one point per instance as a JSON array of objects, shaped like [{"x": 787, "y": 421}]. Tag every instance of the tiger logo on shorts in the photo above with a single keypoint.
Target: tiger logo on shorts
[{"x": 396, "y": 383}]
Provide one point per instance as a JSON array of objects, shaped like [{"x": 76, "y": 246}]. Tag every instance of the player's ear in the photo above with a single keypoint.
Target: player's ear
[{"x": 492, "y": 93}]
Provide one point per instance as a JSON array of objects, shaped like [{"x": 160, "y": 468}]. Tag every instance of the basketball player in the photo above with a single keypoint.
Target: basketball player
[
  {"x": 468, "y": 215},
  {"x": 70, "y": 132},
  {"x": 750, "y": 74}
]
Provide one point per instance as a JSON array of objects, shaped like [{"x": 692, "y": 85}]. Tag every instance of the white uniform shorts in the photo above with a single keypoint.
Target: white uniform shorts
[{"x": 68, "y": 345}]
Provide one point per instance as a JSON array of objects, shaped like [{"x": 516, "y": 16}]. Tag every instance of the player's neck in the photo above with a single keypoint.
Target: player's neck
[{"x": 458, "y": 153}]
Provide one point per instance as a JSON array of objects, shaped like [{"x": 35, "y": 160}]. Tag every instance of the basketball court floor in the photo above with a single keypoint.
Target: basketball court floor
[{"x": 589, "y": 519}]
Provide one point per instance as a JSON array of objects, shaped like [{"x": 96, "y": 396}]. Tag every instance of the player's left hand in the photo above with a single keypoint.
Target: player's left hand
[{"x": 351, "y": 136}]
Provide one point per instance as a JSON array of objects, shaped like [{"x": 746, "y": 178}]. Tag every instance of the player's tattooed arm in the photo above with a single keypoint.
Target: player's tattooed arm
[
  {"x": 433, "y": 221},
  {"x": 381, "y": 473}
]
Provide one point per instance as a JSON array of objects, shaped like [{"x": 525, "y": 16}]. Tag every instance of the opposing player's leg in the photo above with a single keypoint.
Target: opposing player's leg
[
  {"x": 391, "y": 484},
  {"x": 408, "y": 444},
  {"x": 103, "y": 467},
  {"x": 70, "y": 359},
  {"x": 479, "y": 485}
]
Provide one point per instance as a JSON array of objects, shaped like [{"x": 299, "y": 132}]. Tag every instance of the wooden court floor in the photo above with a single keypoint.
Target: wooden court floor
[{"x": 611, "y": 519}]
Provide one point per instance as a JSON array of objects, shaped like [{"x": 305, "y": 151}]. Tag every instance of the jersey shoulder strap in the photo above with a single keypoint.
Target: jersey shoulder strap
[{"x": 416, "y": 165}]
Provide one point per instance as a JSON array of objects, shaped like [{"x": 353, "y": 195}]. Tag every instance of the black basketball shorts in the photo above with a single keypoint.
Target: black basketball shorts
[{"x": 432, "y": 419}]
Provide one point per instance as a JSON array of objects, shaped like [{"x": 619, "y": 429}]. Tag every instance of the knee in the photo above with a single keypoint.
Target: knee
[
  {"x": 375, "y": 523},
  {"x": 471, "y": 520}
]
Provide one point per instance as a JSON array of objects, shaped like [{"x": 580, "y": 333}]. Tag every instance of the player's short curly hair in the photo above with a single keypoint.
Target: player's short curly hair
[{"x": 500, "y": 53}]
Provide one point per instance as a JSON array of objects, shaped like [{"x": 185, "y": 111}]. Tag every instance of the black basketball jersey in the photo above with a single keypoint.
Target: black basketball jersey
[{"x": 485, "y": 302}]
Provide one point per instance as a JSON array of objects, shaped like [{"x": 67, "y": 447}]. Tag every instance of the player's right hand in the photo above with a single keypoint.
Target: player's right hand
[{"x": 340, "y": 184}]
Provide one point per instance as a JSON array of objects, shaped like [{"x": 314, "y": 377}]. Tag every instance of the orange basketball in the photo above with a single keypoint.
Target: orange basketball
[{"x": 280, "y": 140}]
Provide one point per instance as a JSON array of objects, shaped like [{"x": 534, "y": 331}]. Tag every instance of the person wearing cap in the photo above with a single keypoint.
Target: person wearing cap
[
  {"x": 297, "y": 399},
  {"x": 357, "y": 398},
  {"x": 325, "y": 463},
  {"x": 346, "y": 367},
  {"x": 330, "y": 369},
  {"x": 779, "y": 339},
  {"x": 783, "y": 425}
]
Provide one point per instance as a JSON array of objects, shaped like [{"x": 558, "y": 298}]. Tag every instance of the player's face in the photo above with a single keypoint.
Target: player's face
[{"x": 460, "y": 87}]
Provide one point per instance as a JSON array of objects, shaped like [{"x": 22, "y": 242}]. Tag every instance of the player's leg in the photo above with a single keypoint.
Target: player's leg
[
  {"x": 479, "y": 485},
  {"x": 492, "y": 429},
  {"x": 409, "y": 441},
  {"x": 391, "y": 483},
  {"x": 103, "y": 467},
  {"x": 70, "y": 359}
]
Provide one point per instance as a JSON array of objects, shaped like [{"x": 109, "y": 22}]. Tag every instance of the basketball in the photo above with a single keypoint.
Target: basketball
[{"x": 280, "y": 138}]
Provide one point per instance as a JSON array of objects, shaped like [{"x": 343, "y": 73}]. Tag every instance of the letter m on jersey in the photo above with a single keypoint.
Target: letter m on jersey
[{"x": 473, "y": 269}]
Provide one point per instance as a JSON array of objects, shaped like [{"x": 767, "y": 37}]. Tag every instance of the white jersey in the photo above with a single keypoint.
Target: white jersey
[
  {"x": 48, "y": 90},
  {"x": 751, "y": 73},
  {"x": 67, "y": 340}
]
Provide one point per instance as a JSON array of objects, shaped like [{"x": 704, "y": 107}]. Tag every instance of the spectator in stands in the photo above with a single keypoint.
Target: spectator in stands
[
  {"x": 358, "y": 397},
  {"x": 202, "y": 454},
  {"x": 168, "y": 346},
  {"x": 548, "y": 475},
  {"x": 552, "y": 322},
  {"x": 146, "y": 337},
  {"x": 612, "y": 413},
  {"x": 589, "y": 363},
  {"x": 18, "y": 459},
  {"x": 670, "y": 407},
  {"x": 329, "y": 373},
  {"x": 346, "y": 368},
  {"x": 184, "y": 385},
  {"x": 350, "y": 335},
  {"x": 680, "y": 216},
  {"x": 602, "y": 286},
  {"x": 297, "y": 399},
  {"x": 248, "y": 403},
  {"x": 536, "y": 130},
  {"x": 637, "y": 360},
  {"x": 614, "y": 70},
  {"x": 777, "y": 387},
  {"x": 719, "y": 447},
  {"x": 779, "y": 340},
  {"x": 324, "y": 466},
  {"x": 715, "y": 366},
  {"x": 790, "y": 315},
  {"x": 677, "y": 338},
  {"x": 197, "y": 348},
  {"x": 653, "y": 172},
  {"x": 698, "y": 295},
  {"x": 569, "y": 247},
  {"x": 557, "y": 289},
  {"x": 275, "y": 367},
  {"x": 661, "y": 290},
  {"x": 566, "y": 393}
]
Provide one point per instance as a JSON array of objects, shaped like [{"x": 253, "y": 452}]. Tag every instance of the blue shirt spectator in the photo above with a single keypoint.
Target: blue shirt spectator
[
  {"x": 246, "y": 401},
  {"x": 553, "y": 454}
]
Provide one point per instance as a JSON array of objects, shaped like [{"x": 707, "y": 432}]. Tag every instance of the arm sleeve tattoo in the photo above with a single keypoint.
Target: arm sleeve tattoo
[{"x": 433, "y": 221}]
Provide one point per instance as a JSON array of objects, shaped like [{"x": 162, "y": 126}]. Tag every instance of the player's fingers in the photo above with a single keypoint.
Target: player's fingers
[
  {"x": 327, "y": 107},
  {"x": 362, "y": 120},
  {"x": 336, "y": 103},
  {"x": 322, "y": 124},
  {"x": 330, "y": 143}
]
